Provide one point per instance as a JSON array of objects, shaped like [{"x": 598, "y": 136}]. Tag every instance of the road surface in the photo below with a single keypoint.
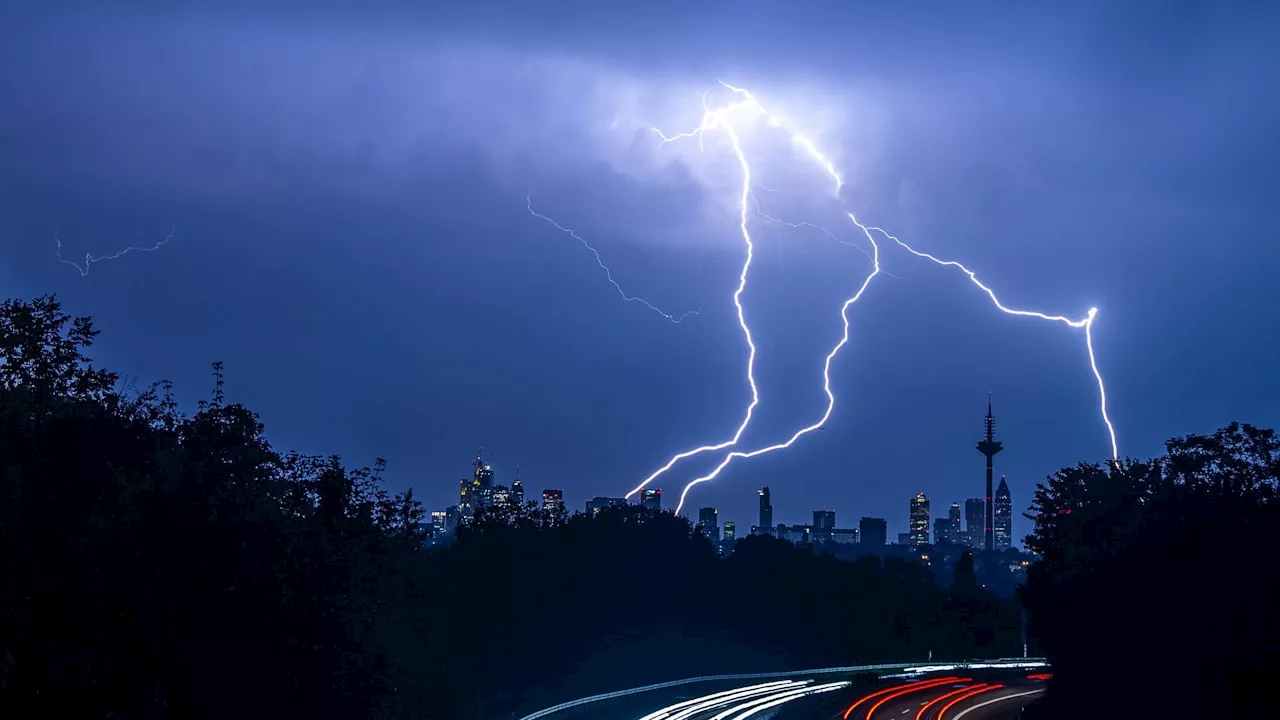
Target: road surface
[{"x": 971, "y": 693}]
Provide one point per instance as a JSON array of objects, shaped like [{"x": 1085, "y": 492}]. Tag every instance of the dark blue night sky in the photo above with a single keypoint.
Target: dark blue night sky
[{"x": 348, "y": 191}]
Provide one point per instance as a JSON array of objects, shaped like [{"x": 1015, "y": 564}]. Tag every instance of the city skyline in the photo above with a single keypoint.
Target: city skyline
[{"x": 988, "y": 522}]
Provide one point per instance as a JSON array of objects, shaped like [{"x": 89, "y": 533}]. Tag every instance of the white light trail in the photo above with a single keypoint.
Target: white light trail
[
  {"x": 754, "y": 707},
  {"x": 690, "y": 707},
  {"x": 89, "y": 259},
  {"x": 677, "y": 319},
  {"x": 719, "y": 120},
  {"x": 720, "y": 697}
]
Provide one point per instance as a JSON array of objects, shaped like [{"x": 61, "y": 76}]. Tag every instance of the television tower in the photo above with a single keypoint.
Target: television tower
[{"x": 989, "y": 446}]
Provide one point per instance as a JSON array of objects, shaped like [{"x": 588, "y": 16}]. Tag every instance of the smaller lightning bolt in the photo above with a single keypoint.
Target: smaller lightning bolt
[
  {"x": 819, "y": 228},
  {"x": 89, "y": 259},
  {"x": 677, "y": 319},
  {"x": 1086, "y": 323}
]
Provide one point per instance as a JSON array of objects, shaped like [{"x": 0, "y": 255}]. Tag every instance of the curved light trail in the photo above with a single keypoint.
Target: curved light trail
[
  {"x": 755, "y": 707},
  {"x": 972, "y": 693},
  {"x": 924, "y": 709},
  {"x": 687, "y": 708},
  {"x": 90, "y": 259},
  {"x": 992, "y": 701},
  {"x": 898, "y": 689}
]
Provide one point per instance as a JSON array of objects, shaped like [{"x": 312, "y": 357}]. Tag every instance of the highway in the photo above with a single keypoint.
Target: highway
[{"x": 990, "y": 691}]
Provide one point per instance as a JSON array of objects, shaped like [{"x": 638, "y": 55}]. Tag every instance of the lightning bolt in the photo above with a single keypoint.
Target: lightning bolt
[
  {"x": 714, "y": 119},
  {"x": 676, "y": 319},
  {"x": 89, "y": 259}
]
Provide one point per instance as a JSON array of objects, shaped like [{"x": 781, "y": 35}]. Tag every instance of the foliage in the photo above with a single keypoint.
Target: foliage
[
  {"x": 157, "y": 564},
  {"x": 1158, "y": 572}
]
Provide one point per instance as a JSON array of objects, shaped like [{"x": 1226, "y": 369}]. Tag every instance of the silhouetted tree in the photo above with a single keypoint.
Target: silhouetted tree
[
  {"x": 1149, "y": 575},
  {"x": 155, "y": 564}
]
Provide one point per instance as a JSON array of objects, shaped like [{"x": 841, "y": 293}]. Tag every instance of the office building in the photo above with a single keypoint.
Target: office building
[
  {"x": 957, "y": 531},
  {"x": 553, "y": 501},
  {"x": 918, "y": 520},
  {"x": 596, "y": 504},
  {"x": 709, "y": 524},
  {"x": 844, "y": 536},
  {"x": 517, "y": 489},
  {"x": 941, "y": 531},
  {"x": 796, "y": 534},
  {"x": 1003, "y": 517},
  {"x": 439, "y": 523},
  {"x": 974, "y": 509},
  {"x": 730, "y": 530},
  {"x": 824, "y": 524},
  {"x": 989, "y": 446},
  {"x": 765, "y": 527},
  {"x": 873, "y": 532},
  {"x": 651, "y": 498}
]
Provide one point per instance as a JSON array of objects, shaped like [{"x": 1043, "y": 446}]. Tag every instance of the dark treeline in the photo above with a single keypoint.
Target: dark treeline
[
  {"x": 158, "y": 564},
  {"x": 1157, "y": 593}
]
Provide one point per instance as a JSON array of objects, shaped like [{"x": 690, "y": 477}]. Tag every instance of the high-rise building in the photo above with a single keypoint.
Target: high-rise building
[
  {"x": 957, "y": 531},
  {"x": 553, "y": 501},
  {"x": 873, "y": 532},
  {"x": 974, "y": 509},
  {"x": 466, "y": 503},
  {"x": 596, "y": 504},
  {"x": 651, "y": 498},
  {"x": 439, "y": 524},
  {"x": 941, "y": 531},
  {"x": 501, "y": 495},
  {"x": 709, "y": 523},
  {"x": 766, "y": 512},
  {"x": 989, "y": 446},
  {"x": 918, "y": 520},
  {"x": 824, "y": 524},
  {"x": 1004, "y": 516},
  {"x": 730, "y": 530},
  {"x": 517, "y": 489}
]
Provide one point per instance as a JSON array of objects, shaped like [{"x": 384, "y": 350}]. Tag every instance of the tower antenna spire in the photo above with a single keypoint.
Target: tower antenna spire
[{"x": 989, "y": 446}]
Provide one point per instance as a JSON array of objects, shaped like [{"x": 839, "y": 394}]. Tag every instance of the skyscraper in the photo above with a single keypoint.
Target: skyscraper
[
  {"x": 517, "y": 489},
  {"x": 974, "y": 509},
  {"x": 1004, "y": 516},
  {"x": 989, "y": 446},
  {"x": 957, "y": 532},
  {"x": 824, "y": 524},
  {"x": 651, "y": 498},
  {"x": 465, "y": 501},
  {"x": 766, "y": 512},
  {"x": 553, "y": 500},
  {"x": 918, "y": 525},
  {"x": 873, "y": 532},
  {"x": 730, "y": 530},
  {"x": 709, "y": 523},
  {"x": 941, "y": 531}
]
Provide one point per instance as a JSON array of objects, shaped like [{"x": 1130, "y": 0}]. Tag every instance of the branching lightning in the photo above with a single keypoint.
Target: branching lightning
[
  {"x": 719, "y": 120},
  {"x": 677, "y": 319},
  {"x": 90, "y": 259}
]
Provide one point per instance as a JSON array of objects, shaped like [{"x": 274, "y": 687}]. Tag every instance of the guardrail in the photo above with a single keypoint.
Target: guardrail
[{"x": 904, "y": 670}]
